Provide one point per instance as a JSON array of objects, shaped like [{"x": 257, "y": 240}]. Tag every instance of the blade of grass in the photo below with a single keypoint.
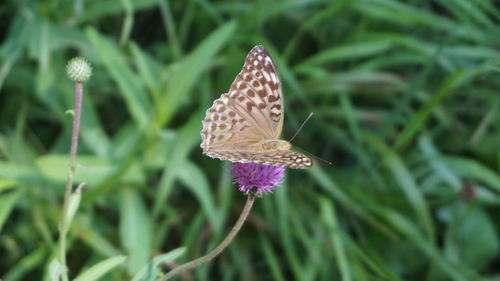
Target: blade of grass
[
  {"x": 347, "y": 52},
  {"x": 170, "y": 28},
  {"x": 272, "y": 260},
  {"x": 128, "y": 21},
  {"x": 91, "y": 235},
  {"x": 149, "y": 70},
  {"x": 289, "y": 247},
  {"x": 329, "y": 218},
  {"x": 7, "y": 203},
  {"x": 406, "y": 181},
  {"x": 331, "y": 188},
  {"x": 472, "y": 169},
  {"x": 194, "y": 179},
  {"x": 135, "y": 229},
  {"x": 434, "y": 158},
  {"x": 26, "y": 264},
  {"x": 374, "y": 263},
  {"x": 416, "y": 123},
  {"x": 188, "y": 72},
  {"x": 187, "y": 137},
  {"x": 150, "y": 270},
  {"x": 411, "y": 232},
  {"x": 407, "y": 15},
  {"x": 131, "y": 88},
  {"x": 98, "y": 270}
]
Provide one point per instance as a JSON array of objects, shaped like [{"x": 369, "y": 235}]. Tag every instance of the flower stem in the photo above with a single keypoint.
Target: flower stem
[
  {"x": 196, "y": 262},
  {"x": 63, "y": 227}
]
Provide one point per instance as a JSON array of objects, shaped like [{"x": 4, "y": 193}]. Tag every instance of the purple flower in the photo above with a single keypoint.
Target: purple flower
[{"x": 256, "y": 178}]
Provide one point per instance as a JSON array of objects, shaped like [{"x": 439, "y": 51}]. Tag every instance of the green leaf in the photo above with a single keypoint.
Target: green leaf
[
  {"x": 89, "y": 169},
  {"x": 7, "y": 203},
  {"x": 29, "y": 262},
  {"x": 418, "y": 120},
  {"x": 406, "y": 181},
  {"x": 272, "y": 259},
  {"x": 94, "y": 10},
  {"x": 402, "y": 14},
  {"x": 186, "y": 138},
  {"x": 329, "y": 217},
  {"x": 6, "y": 184},
  {"x": 150, "y": 270},
  {"x": 56, "y": 270},
  {"x": 21, "y": 174},
  {"x": 348, "y": 52},
  {"x": 98, "y": 270},
  {"x": 148, "y": 68},
  {"x": 135, "y": 229},
  {"x": 437, "y": 163},
  {"x": 411, "y": 232},
  {"x": 194, "y": 179},
  {"x": 332, "y": 189},
  {"x": 92, "y": 235},
  {"x": 131, "y": 88},
  {"x": 74, "y": 203},
  {"x": 473, "y": 169},
  {"x": 187, "y": 74},
  {"x": 477, "y": 239}
]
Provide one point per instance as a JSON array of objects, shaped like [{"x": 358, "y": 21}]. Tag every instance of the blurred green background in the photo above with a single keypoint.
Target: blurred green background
[{"x": 406, "y": 103}]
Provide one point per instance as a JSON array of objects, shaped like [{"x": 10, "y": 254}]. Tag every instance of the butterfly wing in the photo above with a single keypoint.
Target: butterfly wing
[
  {"x": 225, "y": 127},
  {"x": 251, "y": 111},
  {"x": 257, "y": 91},
  {"x": 288, "y": 158}
]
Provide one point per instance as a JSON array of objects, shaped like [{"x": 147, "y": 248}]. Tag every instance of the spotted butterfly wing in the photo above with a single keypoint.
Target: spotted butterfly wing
[{"x": 244, "y": 124}]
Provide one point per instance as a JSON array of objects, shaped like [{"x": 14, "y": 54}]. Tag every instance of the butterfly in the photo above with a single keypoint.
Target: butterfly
[{"x": 244, "y": 124}]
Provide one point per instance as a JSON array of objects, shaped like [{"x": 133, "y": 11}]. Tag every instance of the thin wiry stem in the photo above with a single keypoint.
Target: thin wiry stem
[
  {"x": 196, "y": 262},
  {"x": 63, "y": 227}
]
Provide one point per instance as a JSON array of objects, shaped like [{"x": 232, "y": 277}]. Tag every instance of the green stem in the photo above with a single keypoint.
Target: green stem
[
  {"x": 63, "y": 227},
  {"x": 196, "y": 262}
]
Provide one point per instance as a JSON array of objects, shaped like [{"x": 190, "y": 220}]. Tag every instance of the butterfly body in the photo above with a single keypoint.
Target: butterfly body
[
  {"x": 244, "y": 124},
  {"x": 274, "y": 145}
]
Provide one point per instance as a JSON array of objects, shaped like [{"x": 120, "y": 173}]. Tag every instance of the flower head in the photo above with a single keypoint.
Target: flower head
[
  {"x": 256, "y": 178},
  {"x": 79, "y": 70}
]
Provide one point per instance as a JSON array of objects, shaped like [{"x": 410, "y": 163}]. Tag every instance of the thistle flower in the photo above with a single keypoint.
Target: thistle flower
[{"x": 256, "y": 178}]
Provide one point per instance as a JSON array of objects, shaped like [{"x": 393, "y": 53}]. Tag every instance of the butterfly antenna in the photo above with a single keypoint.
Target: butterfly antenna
[
  {"x": 324, "y": 160},
  {"x": 301, "y": 126},
  {"x": 307, "y": 152}
]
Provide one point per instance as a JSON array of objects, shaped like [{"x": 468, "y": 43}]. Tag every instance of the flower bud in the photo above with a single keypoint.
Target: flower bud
[{"x": 79, "y": 70}]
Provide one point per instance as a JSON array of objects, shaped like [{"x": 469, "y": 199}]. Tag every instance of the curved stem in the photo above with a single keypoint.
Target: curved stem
[{"x": 196, "y": 262}]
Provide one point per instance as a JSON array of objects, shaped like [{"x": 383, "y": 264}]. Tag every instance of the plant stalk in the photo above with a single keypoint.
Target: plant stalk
[
  {"x": 196, "y": 262},
  {"x": 63, "y": 228}
]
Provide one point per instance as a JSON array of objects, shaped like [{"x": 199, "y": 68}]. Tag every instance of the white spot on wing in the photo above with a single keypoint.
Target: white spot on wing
[
  {"x": 266, "y": 75},
  {"x": 274, "y": 78}
]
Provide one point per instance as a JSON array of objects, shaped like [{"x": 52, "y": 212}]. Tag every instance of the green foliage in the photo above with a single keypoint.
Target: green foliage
[{"x": 406, "y": 102}]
